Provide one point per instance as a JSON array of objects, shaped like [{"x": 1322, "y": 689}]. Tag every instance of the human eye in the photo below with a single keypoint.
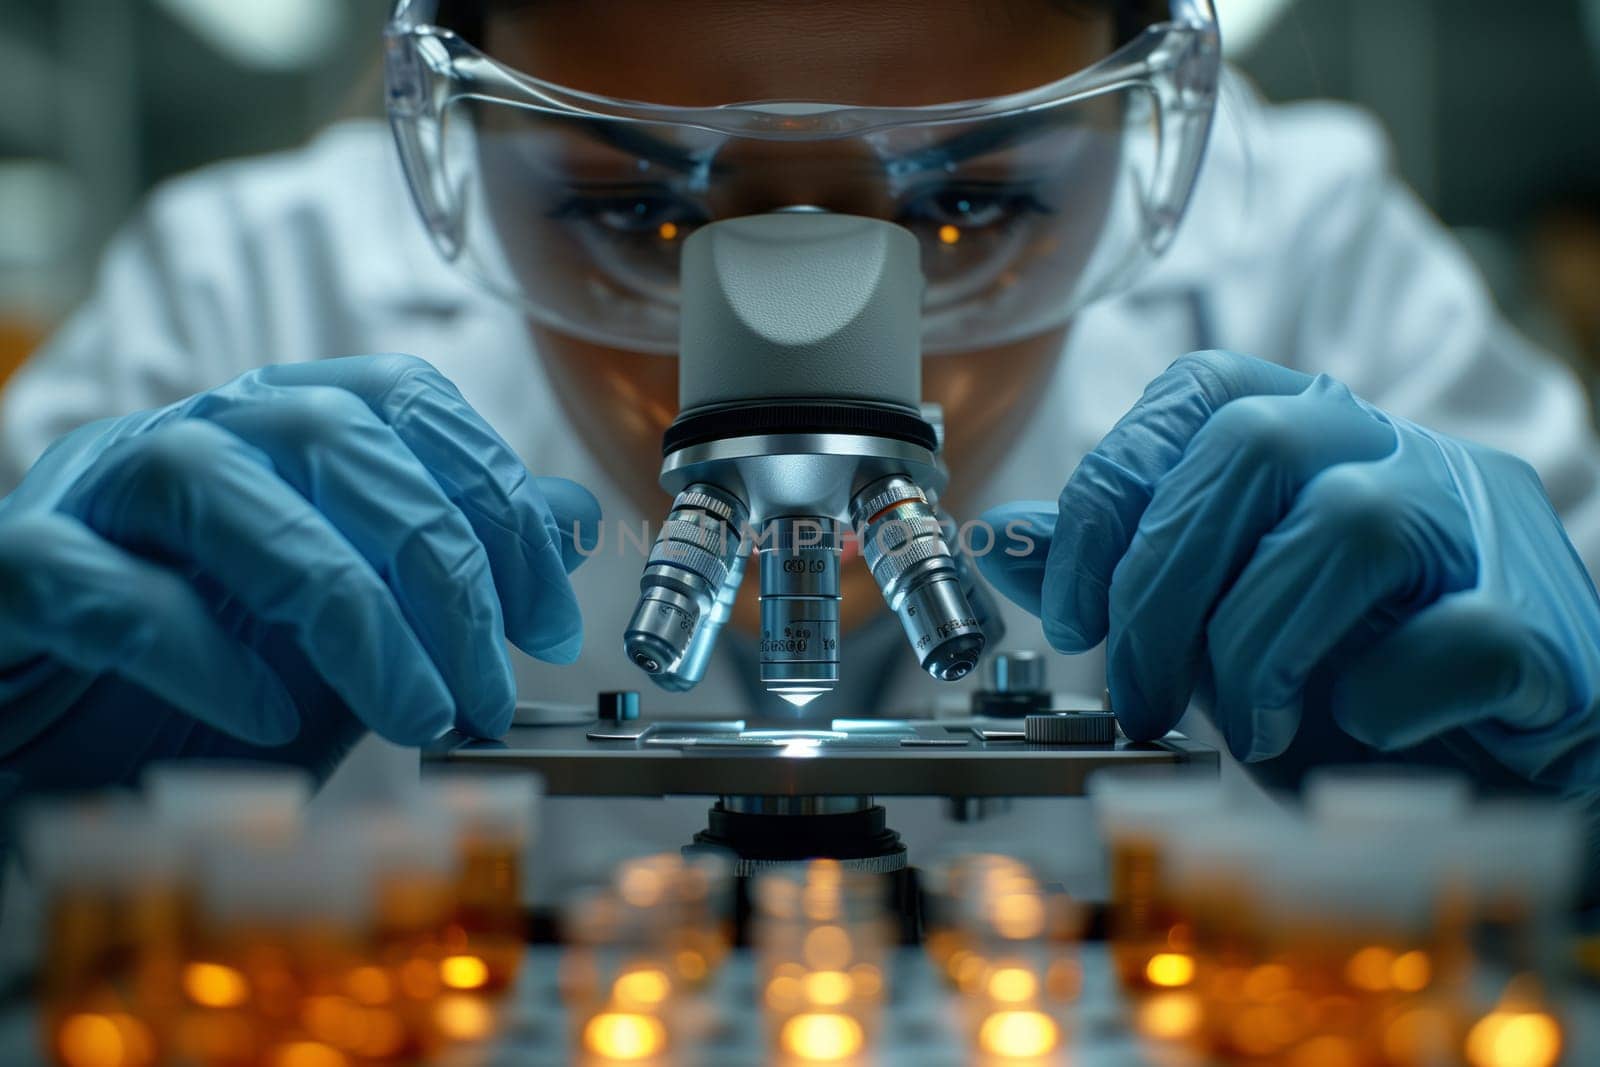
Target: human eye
[
  {"x": 632, "y": 211},
  {"x": 954, "y": 209}
]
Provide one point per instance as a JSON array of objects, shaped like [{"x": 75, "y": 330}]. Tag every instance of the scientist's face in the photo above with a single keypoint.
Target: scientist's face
[{"x": 870, "y": 52}]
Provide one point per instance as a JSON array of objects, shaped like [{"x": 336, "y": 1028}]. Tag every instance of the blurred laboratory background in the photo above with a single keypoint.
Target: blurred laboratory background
[{"x": 1491, "y": 105}]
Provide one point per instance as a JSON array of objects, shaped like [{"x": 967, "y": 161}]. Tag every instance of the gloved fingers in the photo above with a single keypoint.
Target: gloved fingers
[
  {"x": 192, "y": 494},
  {"x": 1106, "y": 496},
  {"x": 1020, "y": 535},
  {"x": 355, "y": 470},
  {"x": 1466, "y": 660},
  {"x": 483, "y": 476},
  {"x": 1363, "y": 542},
  {"x": 1239, "y": 477},
  {"x": 546, "y": 607},
  {"x": 76, "y": 598},
  {"x": 574, "y": 518}
]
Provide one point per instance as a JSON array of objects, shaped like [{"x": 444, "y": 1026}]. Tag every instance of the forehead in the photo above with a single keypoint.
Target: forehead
[{"x": 699, "y": 53}]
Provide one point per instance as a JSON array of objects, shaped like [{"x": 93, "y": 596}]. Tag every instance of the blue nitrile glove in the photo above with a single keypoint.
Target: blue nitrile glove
[
  {"x": 269, "y": 568},
  {"x": 1305, "y": 564}
]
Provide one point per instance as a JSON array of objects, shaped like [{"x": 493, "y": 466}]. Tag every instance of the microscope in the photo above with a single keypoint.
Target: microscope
[{"x": 802, "y": 425}]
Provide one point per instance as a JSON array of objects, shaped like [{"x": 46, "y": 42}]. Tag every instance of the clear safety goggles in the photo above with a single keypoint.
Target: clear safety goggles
[{"x": 1027, "y": 206}]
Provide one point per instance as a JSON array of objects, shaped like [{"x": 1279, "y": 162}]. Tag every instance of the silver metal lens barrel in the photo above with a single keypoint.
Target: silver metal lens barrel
[
  {"x": 688, "y": 572},
  {"x": 704, "y": 641},
  {"x": 799, "y": 558},
  {"x": 904, "y": 545},
  {"x": 978, "y": 593}
]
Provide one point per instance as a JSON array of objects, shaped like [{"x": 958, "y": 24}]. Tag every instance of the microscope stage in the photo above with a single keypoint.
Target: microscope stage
[{"x": 942, "y": 757}]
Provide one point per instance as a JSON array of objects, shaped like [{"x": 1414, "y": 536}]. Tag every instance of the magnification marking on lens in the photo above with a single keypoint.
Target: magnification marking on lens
[{"x": 800, "y": 607}]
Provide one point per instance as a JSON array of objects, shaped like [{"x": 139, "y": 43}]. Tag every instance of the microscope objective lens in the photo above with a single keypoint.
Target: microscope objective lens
[
  {"x": 903, "y": 543},
  {"x": 688, "y": 587},
  {"x": 799, "y": 607}
]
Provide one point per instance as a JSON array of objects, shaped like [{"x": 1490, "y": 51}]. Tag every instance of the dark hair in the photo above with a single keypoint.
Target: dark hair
[{"x": 468, "y": 17}]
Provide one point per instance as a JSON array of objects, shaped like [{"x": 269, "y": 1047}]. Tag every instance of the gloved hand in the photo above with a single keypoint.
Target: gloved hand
[
  {"x": 270, "y": 568},
  {"x": 1326, "y": 580}
]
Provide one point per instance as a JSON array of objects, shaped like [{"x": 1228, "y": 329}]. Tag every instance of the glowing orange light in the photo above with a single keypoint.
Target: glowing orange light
[
  {"x": 620, "y": 1035},
  {"x": 820, "y": 903},
  {"x": 826, "y": 873},
  {"x": 1514, "y": 1039},
  {"x": 463, "y": 972},
  {"x": 116, "y": 1040},
  {"x": 419, "y": 978},
  {"x": 1262, "y": 1030},
  {"x": 1019, "y": 915},
  {"x": 1267, "y": 981},
  {"x": 1169, "y": 970},
  {"x": 369, "y": 985},
  {"x": 336, "y": 1020},
  {"x": 784, "y": 992},
  {"x": 384, "y": 1035},
  {"x": 1325, "y": 1051},
  {"x": 639, "y": 885},
  {"x": 211, "y": 985},
  {"x": 308, "y": 1054},
  {"x": 1018, "y": 1034},
  {"x": 949, "y": 234},
  {"x": 667, "y": 231},
  {"x": 867, "y": 980},
  {"x": 1013, "y": 985},
  {"x": 1422, "y": 1035},
  {"x": 1169, "y": 1016},
  {"x": 1411, "y": 972},
  {"x": 220, "y": 1038},
  {"x": 827, "y": 989},
  {"x": 827, "y": 948},
  {"x": 90, "y": 1041},
  {"x": 642, "y": 988},
  {"x": 1369, "y": 969},
  {"x": 137, "y": 1038},
  {"x": 821, "y": 1036},
  {"x": 463, "y": 1017}
]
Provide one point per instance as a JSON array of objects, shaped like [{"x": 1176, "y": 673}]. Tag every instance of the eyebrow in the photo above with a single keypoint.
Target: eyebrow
[
  {"x": 628, "y": 138},
  {"x": 992, "y": 134},
  {"x": 989, "y": 135}
]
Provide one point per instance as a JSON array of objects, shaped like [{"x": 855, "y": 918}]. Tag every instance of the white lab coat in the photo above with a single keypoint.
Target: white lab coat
[{"x": 1300, "y": 247}]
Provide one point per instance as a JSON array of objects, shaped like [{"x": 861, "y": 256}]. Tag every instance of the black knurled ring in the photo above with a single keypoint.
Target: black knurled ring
[{"x": 795, "y": 417}]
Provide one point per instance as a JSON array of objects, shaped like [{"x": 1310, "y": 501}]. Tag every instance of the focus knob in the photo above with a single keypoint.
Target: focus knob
[{"x": 1071, "y": 728}]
